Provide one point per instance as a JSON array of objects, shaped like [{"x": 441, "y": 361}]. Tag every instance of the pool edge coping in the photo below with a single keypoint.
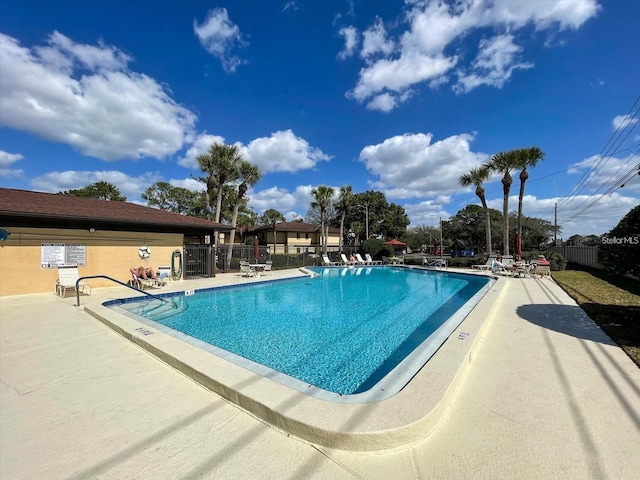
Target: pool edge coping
[{"x": 396, "y": 421}]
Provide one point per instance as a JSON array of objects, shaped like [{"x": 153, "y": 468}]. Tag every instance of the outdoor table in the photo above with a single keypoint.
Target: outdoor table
[{"x": 258, "y": 267}]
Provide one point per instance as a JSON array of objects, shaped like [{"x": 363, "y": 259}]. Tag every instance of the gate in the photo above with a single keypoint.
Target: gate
[{"x": 197, "y": 261}]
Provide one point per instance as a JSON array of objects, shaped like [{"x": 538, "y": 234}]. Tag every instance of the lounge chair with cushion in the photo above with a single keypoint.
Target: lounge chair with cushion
[{"x": 68, "y": 275}]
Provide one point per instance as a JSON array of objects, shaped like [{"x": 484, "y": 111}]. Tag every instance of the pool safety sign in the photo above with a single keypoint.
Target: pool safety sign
[{"x": 53, "y": 255}]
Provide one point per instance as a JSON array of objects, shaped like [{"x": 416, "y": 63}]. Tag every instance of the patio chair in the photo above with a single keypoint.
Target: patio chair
[
  {"x": 345, "y": 260},
  {"x": 246, "y": 270},
  {"x": 68, "y": 275},
  {"x": 267, "y": 266},
  {"x": 497, "y": 268},
  {"x": 440, "y": 263},
  {"x": 140, "y": 282},
  {"x": 486, "y": 266},
  {"x": 326, "y": 261},
  {"x": 361, "y": 260}
]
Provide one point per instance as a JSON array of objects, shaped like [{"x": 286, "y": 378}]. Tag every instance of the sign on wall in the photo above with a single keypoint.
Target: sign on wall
[{"x": 53, "y": 255}]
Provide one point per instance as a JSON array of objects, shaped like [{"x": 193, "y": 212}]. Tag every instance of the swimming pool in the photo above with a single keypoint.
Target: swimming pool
[{"x": 345, "y": 334}]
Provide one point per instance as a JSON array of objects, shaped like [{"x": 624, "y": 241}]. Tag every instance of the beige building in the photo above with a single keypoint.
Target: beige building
[
  {"x": 42, "y": 231},
  {"x": 294, "y": 237}
]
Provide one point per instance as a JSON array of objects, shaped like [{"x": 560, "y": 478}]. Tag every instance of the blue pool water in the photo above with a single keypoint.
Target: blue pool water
[{"x": 342, "y": 331}]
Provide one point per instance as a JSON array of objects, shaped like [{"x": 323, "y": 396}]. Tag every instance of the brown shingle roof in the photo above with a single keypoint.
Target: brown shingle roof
[{"x": 27, "y": 208}]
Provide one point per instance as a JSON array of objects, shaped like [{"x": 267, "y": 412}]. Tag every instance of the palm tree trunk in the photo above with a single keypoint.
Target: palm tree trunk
[
  {"x": 232, "y": 235},
  {"x": 505, "y": 213},
  {"x": 488, "y": 229},
  {"x": 523, "y": 179},
  {"x": 341, "y": 232}
]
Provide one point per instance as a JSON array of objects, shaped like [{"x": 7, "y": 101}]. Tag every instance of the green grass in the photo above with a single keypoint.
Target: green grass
[{"x": 612, "y": 301}]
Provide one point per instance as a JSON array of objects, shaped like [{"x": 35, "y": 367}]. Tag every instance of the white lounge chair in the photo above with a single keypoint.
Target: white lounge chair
[
  {"x": 68, "y": 275},
  {"x": 345, "y": 260},
  {"x": 361, "y": 260},
  {"x": 486, "y": 266},
  {"x": 371, "y": 261},
  {"x": 246, "y": 270},
  {"x": 140, "y": 283},
  {"x": 440, "y": 263},
  {"x": 496, "y": 268},
  {"x": 325, "y": 259}
]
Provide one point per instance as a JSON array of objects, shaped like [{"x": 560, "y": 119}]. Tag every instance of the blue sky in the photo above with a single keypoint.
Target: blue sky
[{"x": 400, "y": 97}]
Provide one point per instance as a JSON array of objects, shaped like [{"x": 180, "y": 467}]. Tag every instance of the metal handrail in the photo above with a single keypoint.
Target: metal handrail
[{"x": 121, "y": 283}]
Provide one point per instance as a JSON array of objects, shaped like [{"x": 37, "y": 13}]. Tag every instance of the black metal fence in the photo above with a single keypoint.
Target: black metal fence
[{"x": 290, "y": 256}]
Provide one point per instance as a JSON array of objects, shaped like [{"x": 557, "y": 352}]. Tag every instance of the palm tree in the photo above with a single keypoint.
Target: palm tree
[
  {"x": 504, "y": 162},
  {"x": 220, "y": 164},
  {"x": 248, "y": 175},
  {"x": 477, "y": 176},
  {"x": 322, "y": 200},
  {"x": 345, "y": 199},
  {"x": 527, "y": 158}
]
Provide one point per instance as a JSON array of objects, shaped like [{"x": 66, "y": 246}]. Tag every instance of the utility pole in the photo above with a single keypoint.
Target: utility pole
[{"x": 555, "y": 225}]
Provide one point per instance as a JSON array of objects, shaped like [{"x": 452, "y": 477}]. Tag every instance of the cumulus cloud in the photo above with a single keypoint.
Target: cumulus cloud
[
  {"x": 129, "y": 186},
  {"x": 411, "y": 166},
  {"x": 351, "y": 40},
  {"x": 283, "y": 151},
  {"x": 85, "y": 96},
  {"x": 200, "y": 145},
  {"x": 494, "y": 64},
  {"x": 436, "y": 38},
  {"x": 6, "y": 160},
  {"x": 219, "y": 35},
  {"x": 376, "y": 41},
  {"x": 291, "y": 204},
  {"x": 604, "y": 174}
]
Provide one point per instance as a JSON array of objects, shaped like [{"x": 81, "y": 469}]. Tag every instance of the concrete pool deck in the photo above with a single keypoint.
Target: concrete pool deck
[{"x": 539, "y": 392}]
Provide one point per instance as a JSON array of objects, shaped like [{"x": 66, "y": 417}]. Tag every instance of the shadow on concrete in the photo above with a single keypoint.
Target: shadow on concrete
[{"x": 567, "y": 319}]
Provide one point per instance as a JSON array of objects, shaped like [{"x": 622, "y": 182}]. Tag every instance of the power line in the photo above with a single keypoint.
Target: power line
[{"x": 606, "y": 153}]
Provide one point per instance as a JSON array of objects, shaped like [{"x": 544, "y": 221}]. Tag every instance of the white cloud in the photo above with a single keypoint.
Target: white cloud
[
  {"x": 493, "y": 65},
  {"x": 130, "y": 187},
  {"x": 623, "y": 121},
  {"x": 282, "y": 200},
  {"x": 200, "y": 145},
  {"x": 410, "y": 166},
  {"x": 6, "y": 160},
  {"x": 601, "y": 175},
  {"x": 350, "y": 35},
  {"x": 283, "y": 151},
  {"x": 602, "y": 216},
  {"x": 437, "y": 38},
  {"x": 428, "y": 212},
  {"x": 84, "y": 96},
  {"x": 218, "y": 35},
  {"x": 376, "y": 41}
]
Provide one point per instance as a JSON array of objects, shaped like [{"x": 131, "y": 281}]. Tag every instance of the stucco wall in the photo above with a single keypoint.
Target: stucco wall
[{"x": 107, "y": 253}]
